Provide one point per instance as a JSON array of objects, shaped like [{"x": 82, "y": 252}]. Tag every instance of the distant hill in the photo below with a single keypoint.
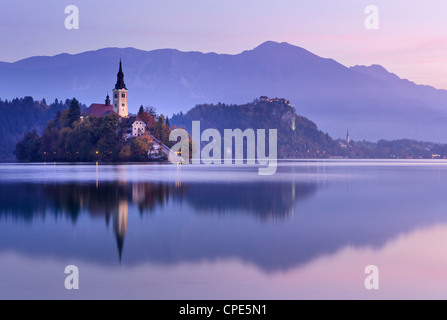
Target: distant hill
[
  {"x": 372, "y": 102},
  {"x": 23, "y": 115},
  {"x": 298, "y": 137}
]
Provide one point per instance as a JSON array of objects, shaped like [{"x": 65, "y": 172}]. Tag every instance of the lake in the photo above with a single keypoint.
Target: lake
[{"x": 224, "y": 232}]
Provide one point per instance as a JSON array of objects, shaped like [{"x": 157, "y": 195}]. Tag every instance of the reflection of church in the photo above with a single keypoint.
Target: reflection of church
[
  {"x": 120, "y": 217},
  {"x": 253, "y": 198},
  {"x": 114, "y": 201},
  {"x": 144, "y": 195}
]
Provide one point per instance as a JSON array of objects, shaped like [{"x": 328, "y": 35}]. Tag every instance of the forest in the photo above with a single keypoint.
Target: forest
[{"x": 23, "y": 115}]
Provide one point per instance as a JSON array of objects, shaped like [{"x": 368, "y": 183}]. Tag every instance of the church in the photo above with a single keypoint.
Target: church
[{"x": 135, "y": 127}]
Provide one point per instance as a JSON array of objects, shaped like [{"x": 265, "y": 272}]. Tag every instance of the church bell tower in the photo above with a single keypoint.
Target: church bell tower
[{"x": 120, "y": 101}]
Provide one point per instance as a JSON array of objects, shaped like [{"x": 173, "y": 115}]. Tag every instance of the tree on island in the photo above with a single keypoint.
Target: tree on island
[
  {"x": 22, "y": 115},
  {"x": 147, "y": 115},
  {"x": 29, "y": 147},
  {"x": 68, "y": 138},
  {"x": 74, "y": 112},
  {"x": 140, "y": 147}
]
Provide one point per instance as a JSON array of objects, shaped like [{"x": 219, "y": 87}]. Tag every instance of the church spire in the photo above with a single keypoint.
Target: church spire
[
  {"x": 120, "y": 79},
  {"x": 120, "y": 99}
]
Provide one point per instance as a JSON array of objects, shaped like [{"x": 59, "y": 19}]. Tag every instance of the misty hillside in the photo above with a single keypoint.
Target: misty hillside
[{"x": 369, "y": 101}]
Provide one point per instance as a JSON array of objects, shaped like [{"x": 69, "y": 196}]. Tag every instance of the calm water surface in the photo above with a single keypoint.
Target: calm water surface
[{"x": 224, "y": 232}]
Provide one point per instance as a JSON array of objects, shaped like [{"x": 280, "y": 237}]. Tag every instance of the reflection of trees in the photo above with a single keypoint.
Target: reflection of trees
[
  {"x": 22, "y": 201},
  {"x": 265, "y": 200},
  {"x": 104, "y": 199},
  {"x": 111, "y": 200}
]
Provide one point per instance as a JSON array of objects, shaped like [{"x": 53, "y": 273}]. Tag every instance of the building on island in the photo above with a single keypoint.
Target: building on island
[
  {"x": 133, "y": 126},
  {"x": 120, "y": 98},
  {"x": 100, "y": 110}
]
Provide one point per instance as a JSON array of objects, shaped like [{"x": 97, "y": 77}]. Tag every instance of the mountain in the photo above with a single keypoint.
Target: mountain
[{"x": 372, "y": 102}]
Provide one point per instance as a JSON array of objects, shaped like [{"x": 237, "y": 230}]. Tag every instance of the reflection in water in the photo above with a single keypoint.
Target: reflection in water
[
  {"x": 194, "y": 216},
  {"x": 312, "y": 227},
  {"x": 111, "y": 200},
  {"x": 29, "y": 200},
  {"x": 120, "y": 224},
  {"x": 268, "y": 202}
]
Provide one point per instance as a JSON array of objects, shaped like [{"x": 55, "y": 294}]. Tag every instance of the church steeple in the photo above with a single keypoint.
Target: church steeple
[
  {"x": 120, "y": 79},
  {"x": 120, "y": 100}
]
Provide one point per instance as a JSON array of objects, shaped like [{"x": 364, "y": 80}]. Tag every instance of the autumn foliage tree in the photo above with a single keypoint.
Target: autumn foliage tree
[
  {"x": 139, "y": 147},
  {"x": 70, "y": 138},
  {"x": 148, "y": 116}
]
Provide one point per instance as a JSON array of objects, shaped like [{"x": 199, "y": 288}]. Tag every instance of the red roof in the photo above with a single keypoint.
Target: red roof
[
  {"x": 98, "y": 110},
  {"x": 111, "y": 112}
]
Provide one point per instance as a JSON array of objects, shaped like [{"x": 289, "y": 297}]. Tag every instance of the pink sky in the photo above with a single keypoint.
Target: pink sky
[{"x": 411, "y": 41}]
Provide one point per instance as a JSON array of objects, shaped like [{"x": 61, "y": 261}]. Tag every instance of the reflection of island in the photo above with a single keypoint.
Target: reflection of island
[
  {"x": 113, "y": 200},
  {"x": 182, "y": 223}
]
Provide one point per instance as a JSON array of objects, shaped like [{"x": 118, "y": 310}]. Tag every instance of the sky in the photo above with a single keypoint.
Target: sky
[{"x": 411, "y": 40}]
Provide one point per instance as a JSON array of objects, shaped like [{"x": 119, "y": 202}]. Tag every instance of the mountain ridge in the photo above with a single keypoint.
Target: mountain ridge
[{"x": 369, "y": 100}]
